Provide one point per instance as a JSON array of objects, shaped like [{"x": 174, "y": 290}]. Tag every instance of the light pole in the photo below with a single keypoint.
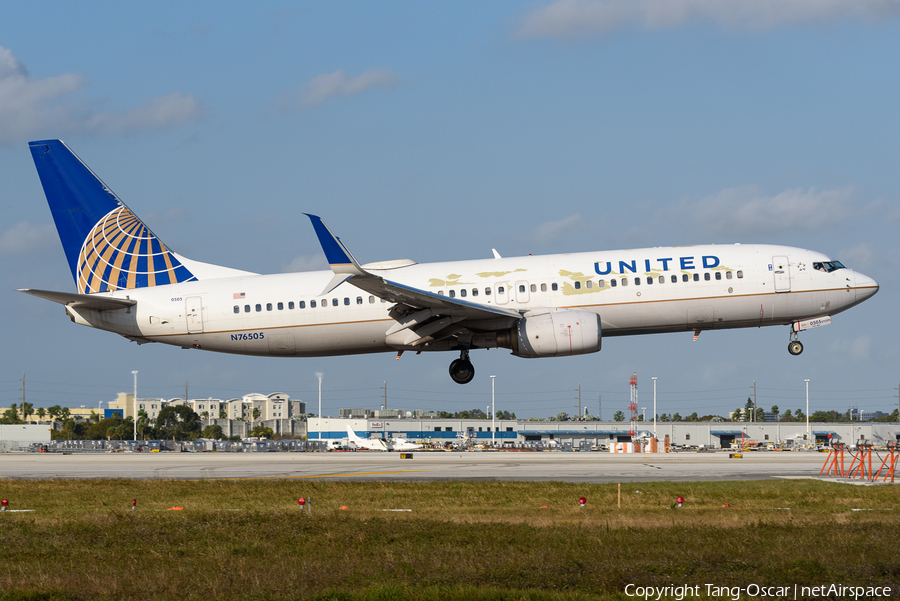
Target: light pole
[
  {"x": 134, "y": 405},
  {"x": 808, "y": 440},
  {"x": 319, "y": 375},
  {"x": 654, "y": 406},
  {"x": 99, "y": 411},
  {"x": 493, "y": 412}
]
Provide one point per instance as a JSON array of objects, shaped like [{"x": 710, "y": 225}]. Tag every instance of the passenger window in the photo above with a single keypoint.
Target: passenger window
[
  {"x": 543, "y": 287},
  {"x": 347, "y": 301},
  {"x": 637, "y": 281},
  {"x": 246, "y": 308},
  {"x": 487, "y": 291},
  {"x": 706, "y": 276},
  {"x": 474, "y": 291},
  {"x": 462, "y": 292},
  {"x": 268, "y": 306},
  {"x": 740, "y": 275},
  {"x": 533, "y": 288},
  {"x": 554, "y": 287},
  {"x": 302, "y": 304},
  {"x": 371, "y": 300},
  {"x": 662, "y": 279},
  {"x": 577, "y": 285},
  {"x": 685, "y": 277},
  {"x": 281, "y": 306},
  {"x": 589, "y": 284},
  {"x": 601, "y": 284},
  {"x": 696, "y": 277},
  {"x": 335, "y": 302},
  {"x": 453, "y": 294},
  {"x": 649, "y": 279},
  {"x": 440, "y": 293},
  {"x": 359, "y": 300},
  {"x": 718, "y": 275},
  {"x": 613, "y": 283},
  {"x": 237, "y": 309},
  {"x": 624, "y": 281},
  {"x": 312, "y": 304},
  {"x": 674, "y": 279},
  {"x": 501, "y": 289},
  {"x": 291, "y": 305},
  {"x": 384, "y": 301},
  {"x": 259, "y": 307},
  {"x": 727, "y": 275},
  {"x": 324, "y": 303}
]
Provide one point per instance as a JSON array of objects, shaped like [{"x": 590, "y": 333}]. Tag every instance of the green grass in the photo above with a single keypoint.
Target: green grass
[{"x": 462, "y": 540}]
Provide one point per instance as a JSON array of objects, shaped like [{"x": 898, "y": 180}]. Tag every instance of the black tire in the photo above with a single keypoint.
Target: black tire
[
  {"x": 462, "y": 371},
  {"x": 795, "y": 347}
]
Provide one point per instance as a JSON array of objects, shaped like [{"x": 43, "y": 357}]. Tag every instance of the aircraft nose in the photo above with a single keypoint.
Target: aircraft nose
[{"x": 865, "y": 286}]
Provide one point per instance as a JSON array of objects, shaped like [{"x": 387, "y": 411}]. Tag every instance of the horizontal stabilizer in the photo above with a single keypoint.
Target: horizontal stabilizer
[{"x": 82, "y": 301}]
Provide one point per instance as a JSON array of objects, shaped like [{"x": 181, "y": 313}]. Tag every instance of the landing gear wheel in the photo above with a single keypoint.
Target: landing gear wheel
[
  {"x": 462, "y": 371},
  {"x": 795, "y": 347}
]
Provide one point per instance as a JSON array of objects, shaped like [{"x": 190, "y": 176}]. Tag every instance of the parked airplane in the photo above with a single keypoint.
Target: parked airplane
[
  {"x": 130, "y": 283},
  {"x": 371, "y": 444}
]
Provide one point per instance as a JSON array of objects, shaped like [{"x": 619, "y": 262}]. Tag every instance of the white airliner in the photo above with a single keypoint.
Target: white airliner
[
  {"x": 130, "y": 283},
  {"x": 370, "y": 444}
]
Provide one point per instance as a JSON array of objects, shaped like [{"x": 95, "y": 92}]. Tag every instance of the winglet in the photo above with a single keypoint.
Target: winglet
[{"x": 339, "y": 258}]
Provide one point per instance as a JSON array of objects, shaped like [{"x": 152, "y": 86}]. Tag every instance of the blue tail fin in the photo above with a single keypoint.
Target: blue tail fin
[{"x": 107, "y": 246}]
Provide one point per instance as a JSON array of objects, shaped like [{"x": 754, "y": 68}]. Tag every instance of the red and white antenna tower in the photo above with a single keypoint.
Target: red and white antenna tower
[{"x": 633, "y": 405}]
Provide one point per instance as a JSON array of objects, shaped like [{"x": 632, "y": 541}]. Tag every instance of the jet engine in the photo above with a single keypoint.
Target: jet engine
[{"x": 554, "y": 333}]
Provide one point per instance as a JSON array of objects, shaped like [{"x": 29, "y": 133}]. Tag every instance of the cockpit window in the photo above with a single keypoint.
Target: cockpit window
[{"x": 828, "y": 266}]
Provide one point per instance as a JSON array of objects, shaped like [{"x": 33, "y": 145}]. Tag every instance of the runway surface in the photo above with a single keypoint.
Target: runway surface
[{"x": 423, "y": 467}]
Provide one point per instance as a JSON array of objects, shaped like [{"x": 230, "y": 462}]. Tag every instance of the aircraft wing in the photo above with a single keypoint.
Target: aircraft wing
[
  {"x": 346, "y": 268},
  {"x": 82, "y": 301}
]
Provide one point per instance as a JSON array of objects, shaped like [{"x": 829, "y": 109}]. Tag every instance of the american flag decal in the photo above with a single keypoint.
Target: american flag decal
[{"x": 238, "y": 295}]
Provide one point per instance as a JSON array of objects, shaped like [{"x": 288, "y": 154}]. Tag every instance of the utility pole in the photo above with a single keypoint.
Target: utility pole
[
  {"x": 23, "y": 397},
  {"x": 753, "y": 417},
  {"x": 319, "y": 375},
  {"x": 185, "y": 392},
  {"x": 654, "y": 406},
  {"x": 385, "y": 395},
  {"x": 600, "y": 407},
  {"x": 808, "y": 441},
  {"x": 493, "y": 429},
  {"x": 579, "y": 401},
  {"x": 134, "y": 405}
]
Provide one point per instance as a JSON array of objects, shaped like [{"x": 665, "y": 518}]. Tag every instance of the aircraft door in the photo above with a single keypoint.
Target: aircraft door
[
  {"x": 501, "y": 293},
  {"x": 522, "y": 292},
  {"x": 782, "y": 271},
  {"x": 193, "y": 313}
]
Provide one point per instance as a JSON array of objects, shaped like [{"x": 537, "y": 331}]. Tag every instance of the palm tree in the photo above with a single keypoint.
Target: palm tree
[
  {"x": 775, "y": 411},
  {"x": 41, "y": 412}
]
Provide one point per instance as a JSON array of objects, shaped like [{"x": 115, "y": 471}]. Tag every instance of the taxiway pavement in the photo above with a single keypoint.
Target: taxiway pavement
[{"x": 422, "y": 467}]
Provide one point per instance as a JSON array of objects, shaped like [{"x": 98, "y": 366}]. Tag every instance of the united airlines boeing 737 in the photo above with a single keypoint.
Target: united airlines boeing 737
[{"x": 130, "y": 283}]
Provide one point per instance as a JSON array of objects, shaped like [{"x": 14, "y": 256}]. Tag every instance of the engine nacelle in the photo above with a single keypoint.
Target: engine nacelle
[{"x": 556, "y": 333}]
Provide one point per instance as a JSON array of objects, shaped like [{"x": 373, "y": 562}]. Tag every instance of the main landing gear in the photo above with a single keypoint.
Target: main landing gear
[
  {"x": 795, "y": 347},
  {"x": 461, "y": 370}
]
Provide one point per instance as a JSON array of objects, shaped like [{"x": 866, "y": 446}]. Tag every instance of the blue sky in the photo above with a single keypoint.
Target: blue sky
[{"x": 437, "y": 131}]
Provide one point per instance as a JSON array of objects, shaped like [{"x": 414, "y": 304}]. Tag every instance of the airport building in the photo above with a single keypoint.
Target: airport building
[{"x": 594, "y": 434}]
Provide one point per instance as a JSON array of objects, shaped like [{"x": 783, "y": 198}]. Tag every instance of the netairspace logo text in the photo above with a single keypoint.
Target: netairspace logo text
[{"x": 794, "y": 591}]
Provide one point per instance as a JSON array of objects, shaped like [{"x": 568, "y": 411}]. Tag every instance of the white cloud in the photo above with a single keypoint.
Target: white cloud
[
  {"x": 26, "y": 238},
  {"x": 314, "y": 263},
  {"x": 336, "y": 85},
  {"x": 553, "y": 231},
  {"x": 36, "y": 108},
  {"x": 749, "y": 210},
  {"x": 567, "y": 19},
  {"x": 858, "y": 349},
  {"x": 861, "y": 257}
]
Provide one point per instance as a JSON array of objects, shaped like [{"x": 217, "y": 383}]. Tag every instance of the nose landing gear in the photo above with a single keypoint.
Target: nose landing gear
[
  {"x": 461, "y": 370},
  {"x": 795, "y": 347}
]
